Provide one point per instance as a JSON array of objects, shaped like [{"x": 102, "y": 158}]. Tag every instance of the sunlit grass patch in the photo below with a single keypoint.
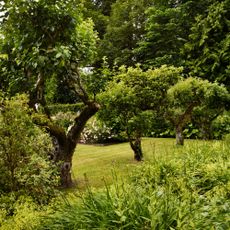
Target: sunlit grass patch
[{"x": 94, "y": 164}]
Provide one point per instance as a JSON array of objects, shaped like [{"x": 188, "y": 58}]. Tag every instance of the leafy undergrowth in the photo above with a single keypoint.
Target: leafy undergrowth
[{"x": 187, "y": 189}]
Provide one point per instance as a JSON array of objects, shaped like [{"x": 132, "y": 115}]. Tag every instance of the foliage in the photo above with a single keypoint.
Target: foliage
[
  {"x": 134, "y": 98},
  {"x": 24, "y": 149},
  {"x": 43, "y": 36},
  {"x": 96, "y": 79},
  {"x": 163, "y": 37},
  {"x": 221, "y": 126},
  {"x": 99, "y": 11},
  {"x": 121, "y": 104},
  {"x": 188, "y": 189},
  {"x": 125, "y": 28},
  {"x": 25, "y": 214},
  {"x": 189, "y": 95},
  {"x": 190, "y": 89},
  {"x": 64, "y": 119},
  {"x": 133, "y": 92},
  {"x": 150, "y": 86},
  {"x": 55, "y": 108},
  {"x": 208, "y": 45},
  {"x": 122, "y": 100},
  {"x": 46, "y": 44},
  {"x": 167, "y": 29}
]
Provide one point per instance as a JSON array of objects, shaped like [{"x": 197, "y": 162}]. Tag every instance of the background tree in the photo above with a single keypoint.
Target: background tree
[
  {"x": 163, "y": 37},
  {"x": 121, "y": 106},
  {"x": 208, "y": 47},
  {"x": 167, "y": 29},
  {"x": 43, "y": 40},
  {"x": 99, "y": 11},
  {"x": 221, "y": 126},
  {"x": 215, "y": 103},
  {"x": 188, "y": 94},
  {"x": 125, "y": 28}
]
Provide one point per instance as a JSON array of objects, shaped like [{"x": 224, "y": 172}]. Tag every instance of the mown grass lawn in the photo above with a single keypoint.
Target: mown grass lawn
[{"x": 95, "y": 164}]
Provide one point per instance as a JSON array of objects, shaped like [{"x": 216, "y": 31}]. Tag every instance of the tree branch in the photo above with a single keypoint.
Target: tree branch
[
  {"x": 74, "y": 133},
  {"x": 51, "y": 128}
]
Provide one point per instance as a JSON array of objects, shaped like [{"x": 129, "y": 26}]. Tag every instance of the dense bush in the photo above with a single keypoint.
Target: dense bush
[
  {"x": 21, "y": 213},
  {"x": 221, "y": 126},
  {"x": 186, "y": 190},
  {"x": 24, "y": 165}
]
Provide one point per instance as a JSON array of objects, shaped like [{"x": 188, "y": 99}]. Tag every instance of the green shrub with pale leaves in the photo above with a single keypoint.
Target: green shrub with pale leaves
[{"x": 24, "y": 148}]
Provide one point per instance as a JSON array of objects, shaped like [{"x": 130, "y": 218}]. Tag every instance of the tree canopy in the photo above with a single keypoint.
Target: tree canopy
[
  {"x": 134, "y": 98},
  {"x": 208, "y": 47}
]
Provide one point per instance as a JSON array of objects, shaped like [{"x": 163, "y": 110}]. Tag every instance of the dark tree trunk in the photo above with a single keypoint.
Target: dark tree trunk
[
  {"x": 136, "y": 147},
  {"x": 180, "y": 121},
  {"x": 179, "y": 136},
  {"x": 66, "y": 143},
  {"x": 63, "y": 156}
]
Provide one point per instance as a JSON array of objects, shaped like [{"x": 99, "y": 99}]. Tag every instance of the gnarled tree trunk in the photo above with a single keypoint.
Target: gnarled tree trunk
[
  {"x": 136, "y": 147},
  {"x": 63, "y": 155},
  {"x": 179, "y": 135},
  {"x": 180, "y": 121},
  {"x": 65, "y": 143}
]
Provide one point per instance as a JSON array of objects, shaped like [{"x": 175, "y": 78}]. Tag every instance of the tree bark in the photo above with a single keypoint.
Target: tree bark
[
  {"x": 179, "y": 135},
  {"x": 180, "y": 121},
  {"x": 136, "y": 147},
  {"x": 63, "y": 157},
  {"x": 65, "y": 143}
]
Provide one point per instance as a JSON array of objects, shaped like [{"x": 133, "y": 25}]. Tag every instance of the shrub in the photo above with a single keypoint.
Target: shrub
[
  {"x": 221, "y": 126},
  {"x": 26, "y": 214},
  {"x": 24, "y": 164}
]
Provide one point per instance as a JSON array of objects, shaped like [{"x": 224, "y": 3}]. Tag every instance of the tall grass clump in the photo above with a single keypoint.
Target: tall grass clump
[{"x": 187, "y": 189}]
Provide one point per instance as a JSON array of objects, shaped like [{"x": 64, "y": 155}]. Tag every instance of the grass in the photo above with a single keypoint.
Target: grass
[
  {"x": 94, "y": 164},
  {"x": 180, "y": 188}
]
